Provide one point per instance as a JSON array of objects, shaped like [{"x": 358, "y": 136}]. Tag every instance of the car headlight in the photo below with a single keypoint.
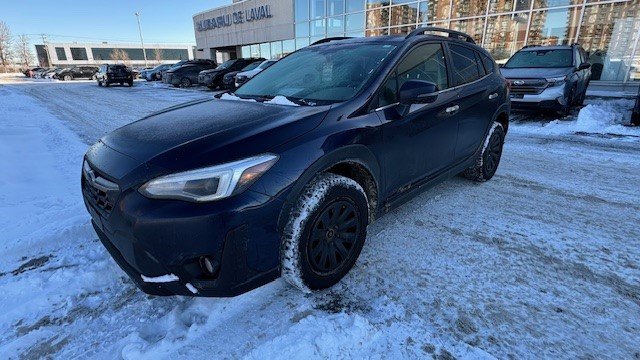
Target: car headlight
[
  {"x": 557, "y": 81},
  {"x": 210, "y": 183}
]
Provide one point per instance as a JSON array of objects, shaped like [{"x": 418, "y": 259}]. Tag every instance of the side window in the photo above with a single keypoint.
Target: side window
[
  {"x": 425, "y": 63},
  {"x": 481, "y": 69},
  {"x": 489, "y": 64},
  {"x": 465, "y": 69}
]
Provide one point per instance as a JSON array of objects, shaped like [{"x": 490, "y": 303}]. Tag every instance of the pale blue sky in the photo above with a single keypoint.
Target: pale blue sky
[{"x": 111, "y": 20}]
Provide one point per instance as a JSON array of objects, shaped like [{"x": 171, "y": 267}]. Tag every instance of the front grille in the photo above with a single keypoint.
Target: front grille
[
  {"x": 101, "y": 192},
  {"x": 528, "y": 86}
]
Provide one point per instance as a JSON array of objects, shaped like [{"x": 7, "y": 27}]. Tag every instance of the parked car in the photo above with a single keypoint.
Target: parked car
[
  {"x": 142, "y": 72},
  {"x": 219, "y": 196},
  {"x": 77, "y": 72},
  {"x": 50, "y": 73},
  {"x": 204, "y": 63},
  {"x": 38, "y": 73},
  {"x": 186, "y": 75},
  {"x": 548, "y": 77},
  {"x": 114, "y": 74},
  {"x": 214, "y": 78},
  {"x": 156, "y": 73},
  {"x": 246, "y": 75},
  {"x": 635, "y": 116},
  {"x": 31, "y": 70}
]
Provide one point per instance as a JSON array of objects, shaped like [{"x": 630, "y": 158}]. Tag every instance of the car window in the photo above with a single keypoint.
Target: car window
[
  {"x": 489, "y": 64},
  {"x": 481, "y": 69},
  {"x": 552, "y": 58},
  {"x": 319, "y": 74},
  {"x": 465, "y": 68},
  {"x": 425, "y": 63}
]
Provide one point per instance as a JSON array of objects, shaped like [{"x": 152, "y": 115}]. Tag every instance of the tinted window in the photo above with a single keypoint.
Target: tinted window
[
  {"x": 541, "y": 59},
  {"x": 489, "y": 64},
  {"x": 320, "y": 73},
  {"x": 61, "y": 54},
  {"x": 79, "y": 53},
  {"x": 424, "y": 63},
  {"x": 465, "y": 68}
]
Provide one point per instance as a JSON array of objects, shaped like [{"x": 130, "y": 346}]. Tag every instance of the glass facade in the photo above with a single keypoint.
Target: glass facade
[{"x": 609, "y": 30}]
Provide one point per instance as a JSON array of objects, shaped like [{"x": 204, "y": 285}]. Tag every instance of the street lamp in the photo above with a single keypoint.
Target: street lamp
[{"x": 144, "y": 52}]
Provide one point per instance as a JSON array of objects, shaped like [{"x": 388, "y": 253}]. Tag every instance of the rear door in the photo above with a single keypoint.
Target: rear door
[
  {"x": 477, "y": 98},
  {"x": 421, "y": 142}
]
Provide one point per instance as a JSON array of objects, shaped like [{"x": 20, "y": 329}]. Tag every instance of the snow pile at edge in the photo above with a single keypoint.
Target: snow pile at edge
[{"x": 281, "y": 100}]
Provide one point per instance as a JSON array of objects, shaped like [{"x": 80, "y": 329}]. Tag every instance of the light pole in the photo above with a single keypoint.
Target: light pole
[{"x": 144, "y": 52}]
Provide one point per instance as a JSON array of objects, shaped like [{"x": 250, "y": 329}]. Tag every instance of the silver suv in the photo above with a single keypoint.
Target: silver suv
[{"x": 548, "y": 77}]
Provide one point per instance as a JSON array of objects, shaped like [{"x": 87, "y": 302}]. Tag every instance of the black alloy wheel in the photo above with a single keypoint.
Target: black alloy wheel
[
  {"x": 492, "y": 154},
  {"x": 333, "y": 237}
]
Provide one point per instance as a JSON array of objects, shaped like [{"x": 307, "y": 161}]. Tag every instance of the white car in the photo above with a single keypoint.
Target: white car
[{"x": 245, "y": 76}]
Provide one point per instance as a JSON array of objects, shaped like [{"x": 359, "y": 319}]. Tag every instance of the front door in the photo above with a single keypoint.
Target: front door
[{"x": 421, "y": 141}]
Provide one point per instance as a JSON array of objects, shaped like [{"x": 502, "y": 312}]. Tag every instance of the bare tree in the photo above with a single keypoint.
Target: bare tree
[
  {"x": 22, "y": 50},
  {"x": 120, "y": 55},
  {"x": 5, "y": 45},
  {"x": 157, "y": 54}
]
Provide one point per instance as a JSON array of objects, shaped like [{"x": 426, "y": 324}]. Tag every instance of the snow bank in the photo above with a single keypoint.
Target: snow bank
[{"x": 600, "y": 116}]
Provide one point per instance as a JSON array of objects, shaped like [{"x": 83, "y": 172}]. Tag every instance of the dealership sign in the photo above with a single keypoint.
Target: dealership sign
[{"x": 238, "y": 17}]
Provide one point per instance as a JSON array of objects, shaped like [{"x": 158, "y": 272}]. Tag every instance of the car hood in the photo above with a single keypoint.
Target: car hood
[
  {"x": 535, "y": 73},
  {"x": 199, "y": 134}
]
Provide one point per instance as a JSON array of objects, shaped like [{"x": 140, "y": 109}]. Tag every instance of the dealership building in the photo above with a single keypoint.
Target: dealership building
[
  {"x": 68, "y": 54},
  {"x": 608, "y": 30}
]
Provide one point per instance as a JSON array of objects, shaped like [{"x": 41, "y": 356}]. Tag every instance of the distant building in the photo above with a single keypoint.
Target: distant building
[{"x": 66, "y": 54}]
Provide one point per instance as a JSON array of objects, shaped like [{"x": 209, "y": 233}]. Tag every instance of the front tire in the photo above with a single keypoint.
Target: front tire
[
  {"x": 325, "y": 233},
  {"x": 185, "y": 83},
  {"x": 67, "y": 78},
  {"x": 489, "y": 157}
]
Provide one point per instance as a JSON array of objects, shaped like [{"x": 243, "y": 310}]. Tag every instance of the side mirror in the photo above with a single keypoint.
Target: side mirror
[
  {"x": 418, "y": 92},
  {"x": 584, "y": 66}
]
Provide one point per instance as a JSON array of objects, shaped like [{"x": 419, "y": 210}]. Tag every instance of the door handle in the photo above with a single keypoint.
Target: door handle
[
  {"x": 452, "y": 109},
  {"x": 493, "y": 96}
]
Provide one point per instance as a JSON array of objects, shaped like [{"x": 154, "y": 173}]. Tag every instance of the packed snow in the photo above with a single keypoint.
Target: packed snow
[{"x": 540, "y": 262}]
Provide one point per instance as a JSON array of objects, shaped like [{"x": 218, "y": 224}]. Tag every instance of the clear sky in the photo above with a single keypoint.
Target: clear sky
[{"x": 162, "y": 21}]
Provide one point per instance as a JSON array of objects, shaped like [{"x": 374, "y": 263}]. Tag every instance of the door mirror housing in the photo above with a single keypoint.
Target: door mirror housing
[
  {"x": 584, "y": 66},
  {"x": 417, "y": 92}
]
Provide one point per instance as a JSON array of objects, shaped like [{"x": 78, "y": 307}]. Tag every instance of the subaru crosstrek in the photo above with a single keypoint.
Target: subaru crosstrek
[
  {"x": 219, "y": 196},
  {"x": 548, "y": 77}
]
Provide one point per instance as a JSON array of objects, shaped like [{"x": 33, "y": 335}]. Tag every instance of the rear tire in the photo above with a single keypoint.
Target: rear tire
[
  {"x": 67, "y": 78},
  {"x": 325, "y": 233},
  {"x": 185, "y": 83},
  {"x": 489, "y": 157}
]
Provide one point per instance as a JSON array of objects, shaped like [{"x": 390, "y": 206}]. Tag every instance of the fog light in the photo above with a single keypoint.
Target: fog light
[{"x": 209, "y": 266}]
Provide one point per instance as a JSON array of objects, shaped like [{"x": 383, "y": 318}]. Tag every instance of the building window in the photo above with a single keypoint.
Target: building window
[
  {"x": 505, "y": 35},
  {"x": 403, "y": 14},
  {"x": 265, "y": 50},
  {"x": 541, "y": 4},
  {"x": 377, "y": 18},
  {"x": 609, "y": 34},
  {"x": 245, "y": 51},
  {"x": 355, "y": 22},
  {"x": 554, "y": 27},
  {"x": 61, "y": 54},
  {"x": 355, "y": 5},
  {"x": 302, "y": 10},
  {"x": 317, "y": 9},
  {"x": 473, "y": 27},
  {"x": 276, "y": 49},
  {"x": 436, "y": 9},
  {"x": 255, "y": 51},
  {"x": 335, "y": 7},
  {"x": 302, "y": 29},
  {"x": 468, "y": 8},
  {"x": 302, "y": 42},
  {"x": 318, "y": 28},
  {"x": 372, "y": 4},
  {"x": 288, "y": 46},
  {"x": 335, "y": 25},
  {"x": 79, "y": 53}
]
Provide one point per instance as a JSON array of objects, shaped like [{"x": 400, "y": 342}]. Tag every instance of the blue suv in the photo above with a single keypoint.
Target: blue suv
[{"x": 219, "y": 196}]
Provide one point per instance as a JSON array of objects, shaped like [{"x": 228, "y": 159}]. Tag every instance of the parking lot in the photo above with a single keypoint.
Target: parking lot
[{"x": 541, "y": 262}]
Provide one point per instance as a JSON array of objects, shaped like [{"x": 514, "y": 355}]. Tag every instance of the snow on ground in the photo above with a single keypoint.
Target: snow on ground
[{"x": 540, "y": 262}]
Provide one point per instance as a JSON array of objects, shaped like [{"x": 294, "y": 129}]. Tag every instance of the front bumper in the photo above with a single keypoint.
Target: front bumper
[
  {"x": 206, "y": 80},
  {"x": 165, "y": 239},
  {"x": 552, "y": 98}
]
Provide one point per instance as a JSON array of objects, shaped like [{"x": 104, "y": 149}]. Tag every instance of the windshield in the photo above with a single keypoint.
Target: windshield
[
  {"x": 319, "y": 73},
  {"x": 251, "y": 66},
  {"x": 266, "y": 64},
  {"x": 227, "y": 64},
  {"x": 541, "y": 59}
]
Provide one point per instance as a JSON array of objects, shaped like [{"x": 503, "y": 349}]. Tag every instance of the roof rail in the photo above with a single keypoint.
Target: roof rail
[
  {"x": 326, "y": 40},
  {"x": 452, "y": 33}
]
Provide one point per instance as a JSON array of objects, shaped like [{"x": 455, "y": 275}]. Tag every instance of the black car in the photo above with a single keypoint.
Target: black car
[
  {"x": 186, "y": 75},
  {"x": 77, "y": 72},
  {"x": 548, "y": 77},
  {"x": 635, "y": 116},
  {"x": 114, "y": 74},
  {"x": 155, "y": 74},
  {"x": 203, "y": 63},
  {"x": 214, "y": 78},
  {"x": 221, "y": 195}
]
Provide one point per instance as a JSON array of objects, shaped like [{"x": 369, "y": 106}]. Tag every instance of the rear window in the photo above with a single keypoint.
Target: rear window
[
  {"x": 489, "y": 64},
  {"x": 555, "y": 58},
  {"x": 465, "y": 67}
]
